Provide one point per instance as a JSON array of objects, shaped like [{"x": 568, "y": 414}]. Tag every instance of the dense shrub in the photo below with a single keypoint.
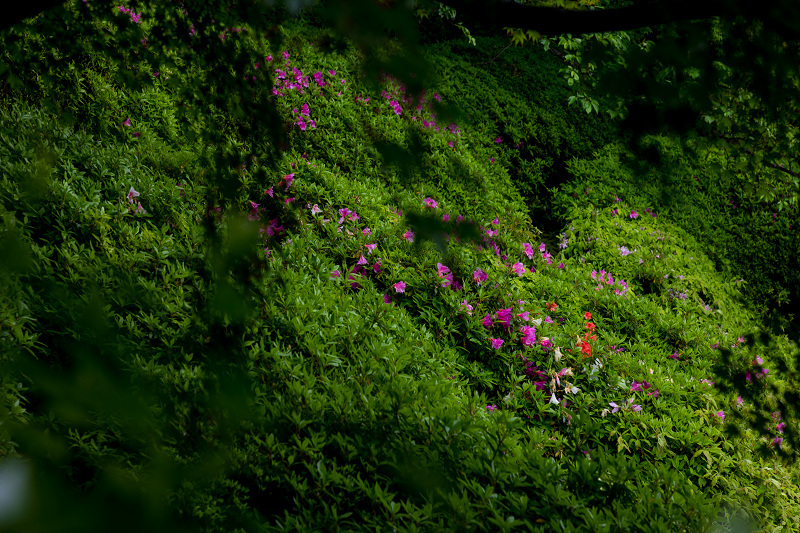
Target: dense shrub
[
  {"x": 293, "y": 355},
  {"x": 750, "y": 239}
]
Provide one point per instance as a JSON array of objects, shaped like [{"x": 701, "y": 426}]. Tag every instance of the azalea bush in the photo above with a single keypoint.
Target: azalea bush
[{"x": 367, "y": 332}]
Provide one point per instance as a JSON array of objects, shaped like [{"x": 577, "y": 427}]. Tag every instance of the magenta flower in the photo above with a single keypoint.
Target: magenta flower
[
  {"x": 546, "y": 344},
  {"x": 467, "y": 307},
  {"x": 739, "y": 401},
  {"x": 615, "y": 407},
  {"x": 639, "y": 385},
  {"x": 387, "y": 299},
  {"x": 370, "y": 247},
  {"x": 528, "y": 250},
  {"x": 442, "y": 270},
  {"x": 528, "y": 335},
  {"x": 400, "y": 286},
  {"x": 504, "y": 316},
  {"x": 519, "y": 268},
  {"x": 335, "y": 273},
  {"x": 430, "y": 202},
  {"x": 479, "y": 276},
  {"x": 305, "y": 111},
  {"x": 721, "y": 415},
  {"x": 487, "y": 321},
  {"x": 542, "y": 247},
  {"x": 288, "y": 179},
  {"x": 777, "y": 441},
  {"x": 316, "y": 210},
  {"x": 496, "y": 343},
  {"x": 409, "y": 236},
  {"x": 269, "y": 192},
  {"x": 634, "y": 214},
  {"x": 636, "y": 408},
  {"x": 525, "y": 315},
  {"x": 780, "y": 427},
  {"x": 491, "y": 407},
  {"x": 127, "y": 122},
  {"x": 498, "y": 140}
]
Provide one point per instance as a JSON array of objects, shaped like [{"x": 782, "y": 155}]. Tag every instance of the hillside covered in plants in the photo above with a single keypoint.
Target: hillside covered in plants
[{"x": 459, "y": 307}]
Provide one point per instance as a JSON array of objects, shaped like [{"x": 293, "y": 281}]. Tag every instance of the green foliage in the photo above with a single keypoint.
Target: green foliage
[
  {"x": 753, "y": 241},
  {"x": 231, "y": 349}
]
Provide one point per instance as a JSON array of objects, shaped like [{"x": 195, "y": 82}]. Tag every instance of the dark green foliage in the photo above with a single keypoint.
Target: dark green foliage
[
  {"x": 185, "y": 360},
  {"x": 509, "y": 93}
]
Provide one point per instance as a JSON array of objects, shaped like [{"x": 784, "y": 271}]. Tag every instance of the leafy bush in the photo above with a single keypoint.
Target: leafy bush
[{"x": 294, "y": 355}]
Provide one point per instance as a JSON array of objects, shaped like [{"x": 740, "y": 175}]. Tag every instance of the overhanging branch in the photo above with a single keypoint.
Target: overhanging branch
[{"x": 557, "y": 21}]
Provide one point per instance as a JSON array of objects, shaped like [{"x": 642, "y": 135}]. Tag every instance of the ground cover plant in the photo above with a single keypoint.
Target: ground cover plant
[{"x": 194, "y": 339}]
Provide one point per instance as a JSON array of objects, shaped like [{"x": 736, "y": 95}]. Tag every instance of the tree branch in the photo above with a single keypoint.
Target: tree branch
[{"x": 557, "y": 21}]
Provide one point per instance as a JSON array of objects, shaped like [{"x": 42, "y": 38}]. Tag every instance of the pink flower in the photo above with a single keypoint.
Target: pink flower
[
  {"x": 127, "y": 122},
  {"x": 366, "y": 231},
  {"x": 491, "y": 407},
  {"x": 545, "y": 343},
  {"x": 528, "y": 335},
  {"x": 430, "y": 202},
  {"x": 316, "y": 210},
  {"x": 495, "y": 221},
  {"x": 777, "y": 441},
  {"x": 409, "y": 236},
  {"x": 498, "y": 140},
  {"x": 634, "y": 214},
  {"x": 377, "y": 267},
  {"x": 335, "y": 273},
  {"x": 542, "y": 247},
  {"x": 269, "y": 192},
  {"x": 739, "y": 401},
  {"x": 370, "y": 247},
  {"x": 479, "y": 276},
  {"x": 442, "y": 270},
  {"x": 528, "y": 250},
  {"x": 525, "y": 315},
  {"x": 131, "y": 195},
  {"x": 387, "y": 299},
  {"x": 362, "y": 260},
  {"x": 721, "y": 415},
  {"x": 305, "y": 111},
  {"x": 496, "y": 343},
  {"x": 504, "y": 316},
  {"x": 519, "y": 268},
  {"x": 780, "y": 427},
  {"x": 400, "y": 286},
  {"x": 487, "y": 321},
  {"x": 288, "y": 179},
  {"x": 468, "y": 307}
]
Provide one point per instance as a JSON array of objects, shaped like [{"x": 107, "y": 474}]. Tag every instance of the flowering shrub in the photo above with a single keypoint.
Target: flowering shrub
[{"x": 335, "y": 362}]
